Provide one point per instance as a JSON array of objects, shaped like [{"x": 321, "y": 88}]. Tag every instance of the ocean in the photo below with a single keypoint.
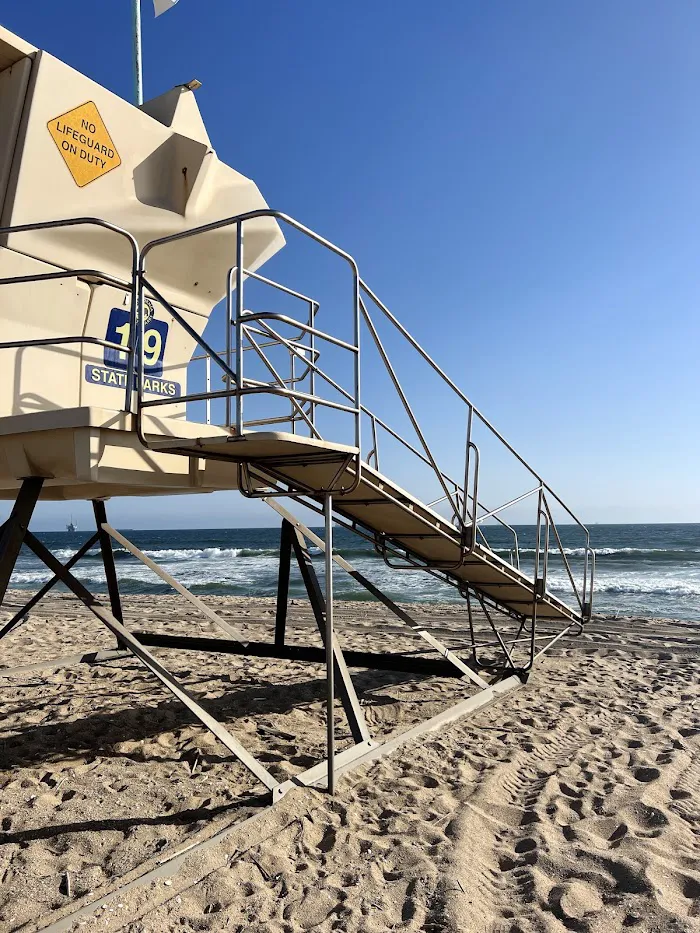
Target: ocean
[{"x": 642, "y": 570}]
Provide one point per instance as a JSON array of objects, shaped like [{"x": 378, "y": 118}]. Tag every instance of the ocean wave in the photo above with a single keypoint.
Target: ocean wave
[
  {"x": 207, "y": 553},
  {"x": 674, "y": 553},
  {"x": 65, "y": 553},
  {"x": 173, "y": 554},
  {"x": 217, "y": 553},
  {"x": 633, "y": 584},
  {"x": 675, "y": 588}
]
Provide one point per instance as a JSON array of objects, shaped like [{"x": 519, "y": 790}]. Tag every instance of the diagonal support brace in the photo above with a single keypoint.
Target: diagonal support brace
[
  {"x": 400, "y": 613},
  {"x": 47, "y": 587},
  {"x": 150, "y": 662},
  {"x": 164, "y": 575}
]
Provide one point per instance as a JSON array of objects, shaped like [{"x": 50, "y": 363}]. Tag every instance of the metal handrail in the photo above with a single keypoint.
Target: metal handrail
[
  {"x": 472, "y": 413},
  {"x": 281, "y": 382},
  {"x": 58, "y": 341},
  {"x": 294, "y": 350},
  {"x": 466, "y": 524},
  {"x": 463, "y": 501},
  {"x": 239, "y": 221},
  {"x": 112, "y": 280},
  {"x": 426, "y": 356},
  {"x": 564, "y": 558},
  {"x": 407, "y": 407}
]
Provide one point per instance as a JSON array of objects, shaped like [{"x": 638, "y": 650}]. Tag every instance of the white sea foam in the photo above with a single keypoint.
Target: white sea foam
[
  {"x": 208, "y": 553},
  {"x": 604, "y": 551}
]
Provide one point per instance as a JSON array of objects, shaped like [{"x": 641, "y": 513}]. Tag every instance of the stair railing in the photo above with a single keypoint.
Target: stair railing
[{"x": 468, "y": 515}]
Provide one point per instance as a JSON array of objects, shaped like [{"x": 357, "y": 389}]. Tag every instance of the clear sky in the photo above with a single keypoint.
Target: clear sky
[{"x": 518, "y": 180}]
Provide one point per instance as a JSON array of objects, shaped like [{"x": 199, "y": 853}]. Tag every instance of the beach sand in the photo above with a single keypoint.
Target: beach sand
[{"x": 572, "y": 804}]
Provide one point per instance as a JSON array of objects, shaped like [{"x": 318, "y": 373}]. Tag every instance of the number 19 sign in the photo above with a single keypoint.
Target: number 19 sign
[{"x": 113, "y": 373}]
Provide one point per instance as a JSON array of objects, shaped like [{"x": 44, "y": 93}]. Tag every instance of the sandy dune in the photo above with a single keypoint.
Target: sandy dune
[{"x": 572, "y": 805}]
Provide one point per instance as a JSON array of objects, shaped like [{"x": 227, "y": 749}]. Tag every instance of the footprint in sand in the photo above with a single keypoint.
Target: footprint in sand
[
  {"x": 646, "y": 775},
  {"x": 617, "y": 835}
]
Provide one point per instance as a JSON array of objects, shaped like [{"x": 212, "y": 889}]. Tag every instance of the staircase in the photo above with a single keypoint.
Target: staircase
[{"x": 274, "y": 361}]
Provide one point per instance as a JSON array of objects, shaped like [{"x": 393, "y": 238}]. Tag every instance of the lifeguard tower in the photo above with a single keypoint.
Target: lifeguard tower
[{"x": 121, "y": 233}]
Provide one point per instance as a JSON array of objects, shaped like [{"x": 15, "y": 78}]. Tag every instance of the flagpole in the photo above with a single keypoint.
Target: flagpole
[{"x": 138, "y": 64}]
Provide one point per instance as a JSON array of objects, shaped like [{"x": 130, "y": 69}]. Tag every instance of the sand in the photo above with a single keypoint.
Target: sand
[{"x": 571, "y": 805}]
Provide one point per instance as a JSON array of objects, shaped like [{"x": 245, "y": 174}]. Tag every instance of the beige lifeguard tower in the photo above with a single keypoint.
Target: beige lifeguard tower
[{"x": 121, "y": 232}]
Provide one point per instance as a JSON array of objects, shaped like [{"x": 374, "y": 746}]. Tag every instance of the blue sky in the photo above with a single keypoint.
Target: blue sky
[{"x": 519, "y": 181}]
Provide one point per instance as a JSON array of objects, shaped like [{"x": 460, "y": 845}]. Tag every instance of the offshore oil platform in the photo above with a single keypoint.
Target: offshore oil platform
[{"x": 127, "y": 252}]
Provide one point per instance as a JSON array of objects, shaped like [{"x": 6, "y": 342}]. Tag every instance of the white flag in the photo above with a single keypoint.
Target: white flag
[{"x": 162, "y": 6}]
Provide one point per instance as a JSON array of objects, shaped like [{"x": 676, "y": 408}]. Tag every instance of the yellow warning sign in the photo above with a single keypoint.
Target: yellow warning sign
[{"x": 84, "y": 143}]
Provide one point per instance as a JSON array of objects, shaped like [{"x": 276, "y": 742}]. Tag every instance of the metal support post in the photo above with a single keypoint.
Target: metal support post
[
  {"x": 115, "y": 601},
  {"x": 138, "y": 66},
  {"x": 286, "y": 536},
  {"x": 239, "y": 327},
  {"x": 346, "y": 690},
  {"x": 15, "y": 529},
  {"x": 420, "y": 631},
  {"x": 330, "y": 639}
]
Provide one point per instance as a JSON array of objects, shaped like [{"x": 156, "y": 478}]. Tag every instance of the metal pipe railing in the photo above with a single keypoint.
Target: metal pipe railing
[
  {"x": 463, "y": 501},
  {"x": 58, "y": 341},
  {"x": 113, "y": 280},
  {"x": 426, "y": 356}
]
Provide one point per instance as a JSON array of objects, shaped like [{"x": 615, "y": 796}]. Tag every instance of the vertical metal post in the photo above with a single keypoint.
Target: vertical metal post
[
  {"x": 313, "y": 308},
  {"x": 292, "y": 385},
  {"x": 286, "y": 534},
  {"x": 538, "y": 582},
  {"x": 585, "y": 575},
  {"x": 475, "y": 498},
  {"x": 346, "y": 691},
  {"x": 467, "y": 468},
  {"x": 138, "y": 63},
  {"x": 208, "y": 402},
  {"x": 374, "y": 452},
  {"x": 229, "y": 325},
  {"x": 139, "y": 345},
  {"x": 105, "y": 542},
  {"x": 330, "y": 697},
  {"x": 358, "y": 400},
  {"x": 133, "y": 335},
  {"x": 472, "y": 634},
  {"x": 239, "y": 327}
]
